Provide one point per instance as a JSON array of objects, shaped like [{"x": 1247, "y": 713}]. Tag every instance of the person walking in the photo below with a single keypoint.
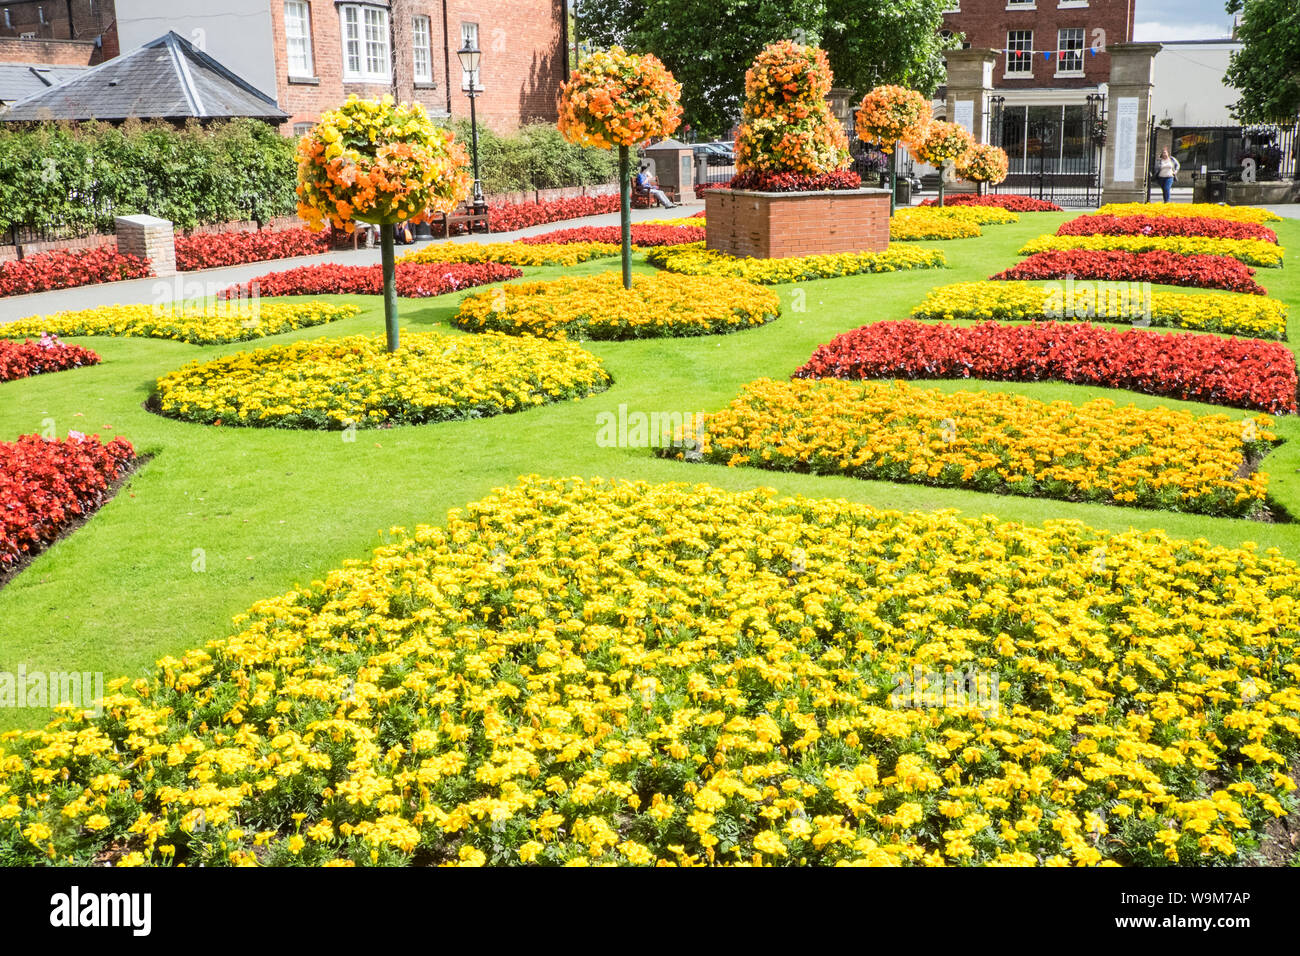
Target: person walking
[{"x": 1166, "y": 169}]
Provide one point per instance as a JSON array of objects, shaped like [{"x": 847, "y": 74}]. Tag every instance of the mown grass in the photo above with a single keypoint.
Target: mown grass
[{"x": 221, "y": 517}]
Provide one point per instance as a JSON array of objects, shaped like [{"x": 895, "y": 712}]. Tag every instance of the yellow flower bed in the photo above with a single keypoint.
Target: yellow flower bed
[
  {"x": 585, "y": 673},
  {"x": 694, "y": 222},
  {"x": 910, "y": 225},
  {"x": 1228, "y": 312},
  {"x": 1253, "y": 252},
  {"x": 514, "y": 253},
  {"x": 981, "y": 215},
  {"x": 598, "y": 307},
  {"x": 694, "y": 259},
  {"x": 334, "y": 383},
  {"x": 197, "y": 324},
  {"x": 1212, "y": 210},
  {"x": 994, "y": 441}
]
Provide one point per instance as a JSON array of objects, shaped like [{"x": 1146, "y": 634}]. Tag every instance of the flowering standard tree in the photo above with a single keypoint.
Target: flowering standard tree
[
  {"x": 787, "y": 125},
  {"x": 377, "y": 162},
  {"x": 940, "y": 143},
  {"x": 622, "y": 100},
  {"x": 983, "y": 164},
  {"x": 887, "y": 115}
]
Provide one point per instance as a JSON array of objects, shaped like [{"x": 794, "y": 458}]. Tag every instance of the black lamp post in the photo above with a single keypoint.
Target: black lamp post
[{"x": 470, "y": 58}]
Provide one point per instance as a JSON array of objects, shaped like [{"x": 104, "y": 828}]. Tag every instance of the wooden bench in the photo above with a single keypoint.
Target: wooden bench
[
  {"x": 641, "y": 198},
  {"x": 466, "y": 214}
]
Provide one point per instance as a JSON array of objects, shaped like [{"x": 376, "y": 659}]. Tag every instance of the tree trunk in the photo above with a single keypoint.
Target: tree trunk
[
  {"x": 625, "y": 189},
  {"x": 387, "y": 240}
]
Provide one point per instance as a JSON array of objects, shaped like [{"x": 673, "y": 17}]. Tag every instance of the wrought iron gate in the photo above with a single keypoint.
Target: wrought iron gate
[{"x": 1055, "y": 152}]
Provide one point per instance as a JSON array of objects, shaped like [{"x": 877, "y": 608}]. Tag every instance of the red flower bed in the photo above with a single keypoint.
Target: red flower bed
[
  {"x": 507, "y": 217},
  {"x": 1243, "y": 373},
  {"x": 46, "y": 485},
  {"x": 235, "y": 248},
  {"x": 26, "y": 358},
  {"x": 769, "y": 182},
  {"x": 702, "y": 188},
  {"x": 1165, "y": 226},
  {"x": 1114, "y": 265},
  {"x": 414, "y": 280},
  {"x": 65, "y": 270},
  {"x": 1011, "y": 202},
  {"x": 641, "y": 235}
]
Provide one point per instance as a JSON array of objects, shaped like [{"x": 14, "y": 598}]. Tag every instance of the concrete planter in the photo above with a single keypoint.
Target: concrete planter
[
  {"x": 762, "y": 225},
  {"x": 1264, "y": 194}
]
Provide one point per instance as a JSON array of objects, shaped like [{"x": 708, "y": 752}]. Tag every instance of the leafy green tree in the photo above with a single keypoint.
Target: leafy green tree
[
  {"x": 877, "y": 42},
  {"x": 709, "y": 44},
  {"x": 1266, "y": 70}
]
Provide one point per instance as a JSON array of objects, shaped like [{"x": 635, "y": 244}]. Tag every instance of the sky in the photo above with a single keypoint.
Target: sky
[{"x": 1181, "y": 20}]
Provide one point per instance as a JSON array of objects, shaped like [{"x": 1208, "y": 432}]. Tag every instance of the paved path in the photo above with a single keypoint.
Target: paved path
[{"x": 209, "y": 281}]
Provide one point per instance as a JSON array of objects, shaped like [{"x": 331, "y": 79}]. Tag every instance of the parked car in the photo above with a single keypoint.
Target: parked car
[{"x": 721, "y": 154}]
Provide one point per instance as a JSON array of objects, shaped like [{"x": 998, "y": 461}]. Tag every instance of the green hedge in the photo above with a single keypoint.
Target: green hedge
[
  {"x": 81, "y": 177},
  {"x": 536, "y": 157},
  {"x": 67, "y": 177}
]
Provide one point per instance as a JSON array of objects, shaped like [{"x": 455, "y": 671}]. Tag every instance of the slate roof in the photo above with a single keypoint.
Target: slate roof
[
  {"x": 168, "y": 78},
  {"x": 20, "y": 80}
]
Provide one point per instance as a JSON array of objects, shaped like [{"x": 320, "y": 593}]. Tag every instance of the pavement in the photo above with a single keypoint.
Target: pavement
[{"x": 207, "y": 282}]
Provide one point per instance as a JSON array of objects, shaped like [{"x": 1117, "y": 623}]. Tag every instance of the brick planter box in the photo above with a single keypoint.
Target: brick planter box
[{"x": 780, "y": 225}]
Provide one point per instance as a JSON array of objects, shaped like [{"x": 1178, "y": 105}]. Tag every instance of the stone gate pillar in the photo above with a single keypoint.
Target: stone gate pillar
[
  {"x": 1128, "y": 122},
  {"x": 970, "y": 84}
]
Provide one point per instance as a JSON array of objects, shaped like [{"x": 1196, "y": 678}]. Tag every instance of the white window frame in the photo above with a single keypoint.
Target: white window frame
[
  {"x": 367, "y": 46},
  {"x": 1076, "y": 53},
  {"x": 422, "y": 44},
  {"x": 1017, "y": 51},
  {"x": 297, "y": 28},
  {"x": 468, "y": 31},
  {"x": 954, "y": 6},
  {"x": 1022, "y": 5}
]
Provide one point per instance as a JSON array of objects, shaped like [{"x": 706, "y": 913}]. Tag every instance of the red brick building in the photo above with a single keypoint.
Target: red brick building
[
  {"x": 1051, "y": 66},
  {"x": 311, "y": 54},
  {"x": 1067, "y": 30},
  {"x": 327, "y": 50},
  {"x": 87, "y": 20}
]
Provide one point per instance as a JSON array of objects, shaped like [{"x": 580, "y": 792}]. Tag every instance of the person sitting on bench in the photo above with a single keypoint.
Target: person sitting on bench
[{"x": 647, "y": 185}]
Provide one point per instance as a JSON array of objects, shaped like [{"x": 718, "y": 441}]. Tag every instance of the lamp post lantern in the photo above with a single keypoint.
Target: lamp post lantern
[{"x": 470, "y": 58}]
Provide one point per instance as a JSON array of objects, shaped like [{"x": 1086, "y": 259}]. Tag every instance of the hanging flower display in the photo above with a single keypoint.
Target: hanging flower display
[
  {"x": 983, "y": 163},
  {"x": 939, "y": 142},
  {"x": 787, "y": 125},
  {"x": 619, "y": 99},
  {"x": 891, "y": 113},
  {"x": 379, "y": 162}
]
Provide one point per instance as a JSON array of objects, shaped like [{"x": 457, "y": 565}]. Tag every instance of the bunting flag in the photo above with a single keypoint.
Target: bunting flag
[{"x": 1048, "y": 54}]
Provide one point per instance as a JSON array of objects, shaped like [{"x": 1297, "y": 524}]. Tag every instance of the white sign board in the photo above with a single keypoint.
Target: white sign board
[
  {"x": 1126, "y": 138},
  {"x": 963, "y": 114}
]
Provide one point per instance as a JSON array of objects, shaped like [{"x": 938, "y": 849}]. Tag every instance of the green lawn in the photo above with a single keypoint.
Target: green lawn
[{"x": 269, "y": 508}]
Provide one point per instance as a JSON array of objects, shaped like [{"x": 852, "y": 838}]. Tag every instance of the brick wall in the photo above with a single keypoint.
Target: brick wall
[
  {"x": 57, "y": 19},
  {"x": 523, "y": 60},
  {"x": 47, "y": 52},
  {"x": 780, "y": 225},
  {"x": 986, "y": 23}
]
